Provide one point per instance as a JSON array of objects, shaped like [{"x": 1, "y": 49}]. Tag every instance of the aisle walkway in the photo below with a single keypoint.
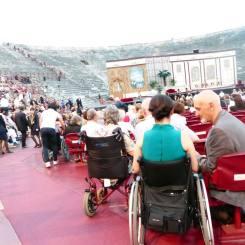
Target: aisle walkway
[{"x": 45, "y": 206}]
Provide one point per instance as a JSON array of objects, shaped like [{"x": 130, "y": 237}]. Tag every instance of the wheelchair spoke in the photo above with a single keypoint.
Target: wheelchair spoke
[
  {"x": 205, "y": 217},
  {"x": 131, "y": 200},
  {"x": 136, "y": 229}
]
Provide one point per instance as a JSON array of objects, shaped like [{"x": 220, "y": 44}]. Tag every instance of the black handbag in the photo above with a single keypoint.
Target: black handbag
[{"x": 166, "y": 211}]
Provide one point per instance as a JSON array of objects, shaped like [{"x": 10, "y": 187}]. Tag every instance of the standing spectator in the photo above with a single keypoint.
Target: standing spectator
[
  {"x": 48, "y": 133},
  {"x": 69, "y": 103},
  {"x": 41, "y": 100},
  {"x": 33, "y": 120},
  {"x": 79, "y": 103},
  {"x": 22, "y": 124},
  {"x": 3, "y": 136}
]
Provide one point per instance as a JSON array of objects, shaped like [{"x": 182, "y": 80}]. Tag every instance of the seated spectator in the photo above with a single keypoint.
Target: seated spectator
[
  {"x": 139, "y": 113},
  {"x": 74, "y": 125},
  {"x": 126, "y": 126},
  {"x": 92, "y": 127},
  {"x": 148, "y": 121},
  {"x": 111, "y": 123},
  {"x": 227, "y": 100},
  {"x": 132, "y": 115},
  {"x": 163, "y": 142},
  {"x": 225, "y": 137},
  {"x": 100, "y": 117},
  {"x": 239, "y": 103},
  {"x": 179, "y": 121}
]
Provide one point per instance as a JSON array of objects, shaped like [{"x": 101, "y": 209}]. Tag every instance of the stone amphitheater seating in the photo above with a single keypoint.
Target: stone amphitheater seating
[{"x": 86, "y": 81}]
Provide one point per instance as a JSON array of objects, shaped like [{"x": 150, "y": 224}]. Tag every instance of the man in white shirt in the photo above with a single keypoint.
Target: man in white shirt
[
  {"x": 148, "y": 123},
  {"x": 92, "y": 127},
  {"x": 48, "y": 124}
]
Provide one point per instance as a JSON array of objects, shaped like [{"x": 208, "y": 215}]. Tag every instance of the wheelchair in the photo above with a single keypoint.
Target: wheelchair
[
  {"x": 71, "y": 145},
  {"x": 167, "y": 198},
  {"x": 108, "y": 167}
]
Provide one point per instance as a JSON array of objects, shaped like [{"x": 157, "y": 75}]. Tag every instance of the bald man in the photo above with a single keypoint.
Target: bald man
[
  {"x": 227, "y": 134},
  {"x": 225, "y": 137}
]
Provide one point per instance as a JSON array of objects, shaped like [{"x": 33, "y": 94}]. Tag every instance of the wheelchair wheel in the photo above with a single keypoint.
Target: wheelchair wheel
[
  {"x": 205, "y": 216},
  {"x": 65, "y": 151},
  {"x": 136, "y": 228},
  {"x": 101, "y": 193},
  {"x": 88, "y": 204}
]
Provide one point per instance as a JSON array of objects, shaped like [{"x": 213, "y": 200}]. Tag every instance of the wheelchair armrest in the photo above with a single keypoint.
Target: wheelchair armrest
[
  {"x": 118, "y": 134},
  {"x": 83, "y": 135}
]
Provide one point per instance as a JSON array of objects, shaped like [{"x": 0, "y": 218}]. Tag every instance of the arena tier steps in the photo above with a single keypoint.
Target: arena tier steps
[{"x": 78, "y": 79}]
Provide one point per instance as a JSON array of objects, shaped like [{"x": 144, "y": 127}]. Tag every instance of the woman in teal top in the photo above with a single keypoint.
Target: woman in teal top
[{"x": 163, "y": 142}]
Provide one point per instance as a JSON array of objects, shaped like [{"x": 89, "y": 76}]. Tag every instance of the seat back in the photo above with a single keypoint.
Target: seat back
[
  {"x": 171, "y": 174},
  {"x": 72, "y": 140},
  {"x": 199, "y": 127},
  {"x": 229, "y": 173},
  {"x": 200, "y": 146},
  {"x": 240, "y": 117},
  {"x": 193, "y": 121},
  {"x": 106, "y": 157},
  {"x": 239, "y": 112}
]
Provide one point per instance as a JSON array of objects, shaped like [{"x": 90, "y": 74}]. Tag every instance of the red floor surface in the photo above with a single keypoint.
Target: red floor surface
[{"x": 45, "y": 206}]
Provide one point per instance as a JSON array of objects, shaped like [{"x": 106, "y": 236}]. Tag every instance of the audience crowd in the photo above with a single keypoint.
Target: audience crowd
[{"x": 143, "y": 123}]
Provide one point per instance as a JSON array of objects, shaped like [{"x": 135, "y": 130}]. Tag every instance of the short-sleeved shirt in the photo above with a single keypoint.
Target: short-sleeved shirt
[
  {"x": 93, "y": 129},
  {"x": 48, "y": 118}
]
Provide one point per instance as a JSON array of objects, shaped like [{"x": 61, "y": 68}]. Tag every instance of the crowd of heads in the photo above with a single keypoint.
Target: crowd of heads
[{"x": 19, "y": 98}]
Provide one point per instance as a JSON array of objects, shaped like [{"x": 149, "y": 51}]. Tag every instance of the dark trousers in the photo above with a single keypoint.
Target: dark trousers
[
  {"x": 58, "y": 141},
  {"x": 49, "y": 143},
  {"x": 23, "y": 138}
]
